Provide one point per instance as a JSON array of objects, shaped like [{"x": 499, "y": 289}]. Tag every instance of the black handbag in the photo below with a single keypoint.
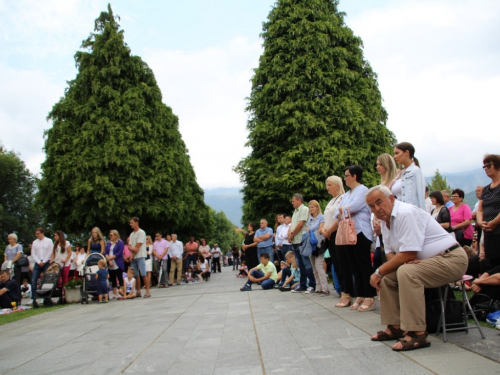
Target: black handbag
[
  {"x": 453, "y": 309},
  {"x": 22, "y": 261},
  {"x": 459, "y": 236}
]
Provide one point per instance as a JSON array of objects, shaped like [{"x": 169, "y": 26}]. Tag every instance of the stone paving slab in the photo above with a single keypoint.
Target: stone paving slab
[{"x": 213, "y": 328}]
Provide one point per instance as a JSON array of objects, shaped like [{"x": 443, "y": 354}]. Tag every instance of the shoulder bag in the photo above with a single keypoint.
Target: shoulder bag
[{"x": 346, "y": 233}]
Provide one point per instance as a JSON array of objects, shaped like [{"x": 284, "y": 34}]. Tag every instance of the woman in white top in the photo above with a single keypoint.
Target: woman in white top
[
  {"x": 335, "y": 188},
  {"x": 409, "y": 186},
  {"x": 61, "y": 254},
  {"x": 80, "y": 260},
  {"x": 202, "y": 269},
  {"x": 149, "y": 257}
]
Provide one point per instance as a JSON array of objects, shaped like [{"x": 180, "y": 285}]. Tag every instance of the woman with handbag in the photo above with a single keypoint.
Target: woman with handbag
[
  {"x": 461, "y": 218},
  {"x": 353, "y": 243},
  {"x": 14, "y": 252},
  {"x": 315, "y": 226}
]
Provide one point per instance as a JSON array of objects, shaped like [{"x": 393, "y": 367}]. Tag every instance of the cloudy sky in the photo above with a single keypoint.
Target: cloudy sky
[{"x": 438, "y": 64}]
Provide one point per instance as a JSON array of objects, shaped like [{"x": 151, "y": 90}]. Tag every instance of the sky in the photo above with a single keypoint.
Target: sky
[{"x": 438, "y": 66}]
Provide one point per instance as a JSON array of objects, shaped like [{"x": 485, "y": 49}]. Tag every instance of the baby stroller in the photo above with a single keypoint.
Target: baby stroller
[
  {"x": 90, "y": 268},
  {"x": 49, "y": 287}
]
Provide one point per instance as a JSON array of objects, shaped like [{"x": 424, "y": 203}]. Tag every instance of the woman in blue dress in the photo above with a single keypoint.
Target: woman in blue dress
[{"x": 96, "y": 242}]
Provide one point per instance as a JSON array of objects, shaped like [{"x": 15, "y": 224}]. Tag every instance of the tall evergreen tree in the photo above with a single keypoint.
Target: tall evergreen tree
[
  {"x": 115, "y": 150},
  {"x": 438, "y": 182},
  {"x": 315, "y": 107}
]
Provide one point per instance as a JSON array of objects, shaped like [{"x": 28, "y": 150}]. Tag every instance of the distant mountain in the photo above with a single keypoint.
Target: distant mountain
[
  {"x": 229, "y": 200},
  {"x": 467, "y": 181}
]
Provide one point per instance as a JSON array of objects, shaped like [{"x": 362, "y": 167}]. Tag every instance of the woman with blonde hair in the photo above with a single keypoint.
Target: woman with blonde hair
[
  {"x": 114, "y": 256},
  {"x": 315, "y": 225},
  {"x": 335, "y": 188},
  {"x": 386, "y": 167},
  {"x": 96, "y": 242}
]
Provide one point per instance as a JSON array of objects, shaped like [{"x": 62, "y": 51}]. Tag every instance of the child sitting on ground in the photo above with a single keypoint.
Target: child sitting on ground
[
  {"x": 290, "y": 276},
  {"x": 243, "y": 270},
  {"x": 127, "y": 290},
  {"x": 102, "y": 277},
  {"x": 25, "y": 289},
  {"x": 189, "y": 275},
  {"x": 280, "y": 280}
]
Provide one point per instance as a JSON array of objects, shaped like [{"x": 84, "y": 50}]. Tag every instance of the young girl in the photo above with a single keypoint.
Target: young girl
[
  {"x": 127, "y": 291},
  {"x": 25, "y": 289},
  {"x": 189, "y": 275},
  {"x": 243, "y": 269},
  {"x": 102, "y": 277}
]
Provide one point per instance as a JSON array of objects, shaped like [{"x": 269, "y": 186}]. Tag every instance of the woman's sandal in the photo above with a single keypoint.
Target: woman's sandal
[
  {"x": 367, "y": 307},
  {"x": 357, "y": 304},
  {"x": 345, "y": 301},
  {"x": 147, "y": 295},
  {"x": 416, "y": 342},
  {"x": 396, "y": 333}
]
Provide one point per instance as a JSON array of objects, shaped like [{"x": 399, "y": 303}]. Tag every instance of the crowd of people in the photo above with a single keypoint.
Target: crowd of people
[
  {"x": 406, "y": 239},
  {"x": 387, "y": 242},
  {"x": 128, "y": 268}
]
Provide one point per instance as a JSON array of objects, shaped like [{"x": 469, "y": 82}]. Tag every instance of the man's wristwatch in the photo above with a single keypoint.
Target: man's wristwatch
[{"x": 377, "y": 272}]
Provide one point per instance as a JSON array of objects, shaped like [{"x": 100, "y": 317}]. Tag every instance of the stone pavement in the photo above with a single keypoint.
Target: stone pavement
[{"x": 213, "y": 328}]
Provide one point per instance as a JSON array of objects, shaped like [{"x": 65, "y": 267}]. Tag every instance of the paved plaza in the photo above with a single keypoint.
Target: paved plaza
[{"x": 213, "y": 328}]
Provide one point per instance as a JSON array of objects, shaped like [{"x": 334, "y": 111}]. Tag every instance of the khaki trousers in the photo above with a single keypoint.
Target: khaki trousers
[
  {"x": 175, "y": 264},
  {"x": 402, "y": 300},
  {"x": 319, "y": 273}
]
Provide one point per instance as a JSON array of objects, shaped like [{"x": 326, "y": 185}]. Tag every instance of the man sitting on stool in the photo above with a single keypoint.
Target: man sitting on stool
[
  {"x": 420, "y": 254},
  {"x": 265, "y": 273}
]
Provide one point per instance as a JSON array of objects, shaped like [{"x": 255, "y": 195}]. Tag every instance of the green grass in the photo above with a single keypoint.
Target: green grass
[
  {"x": 458, "y": 296},
  {"x": 9, "y": 318}
]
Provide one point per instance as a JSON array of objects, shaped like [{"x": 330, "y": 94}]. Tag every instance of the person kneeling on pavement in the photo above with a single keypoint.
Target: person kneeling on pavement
[
  {"x": 265, "y": 274},
  {"x": 420, "y": 254}
]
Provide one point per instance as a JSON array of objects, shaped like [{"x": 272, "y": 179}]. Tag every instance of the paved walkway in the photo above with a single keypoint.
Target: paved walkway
[{"x": 213, "y": 328}]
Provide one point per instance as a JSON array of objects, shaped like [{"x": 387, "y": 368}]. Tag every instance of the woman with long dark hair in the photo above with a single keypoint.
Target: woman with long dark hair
[
  {"x": 409, "y": 186},
  {"x": 440, "y": 213},
  {"x": 61, "y": 254},
  {"x": 250, "y": 247}
]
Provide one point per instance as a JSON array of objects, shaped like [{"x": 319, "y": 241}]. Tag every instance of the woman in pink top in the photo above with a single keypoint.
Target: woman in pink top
[{"x": 461, "y": 218}]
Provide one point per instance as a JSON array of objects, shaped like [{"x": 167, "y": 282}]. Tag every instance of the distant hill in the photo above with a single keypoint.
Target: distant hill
[
  {"x": 467, "y": 181},
  {"x": 229, "y": 200}
]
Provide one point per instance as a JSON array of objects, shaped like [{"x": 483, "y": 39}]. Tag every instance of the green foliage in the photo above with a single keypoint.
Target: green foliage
[
  {"x": 73, "y": 284},
  {"x": 18, "y": 212},
  {"x": 439, "y": 183},
  {"x": 315, "y": 107},
  {"x": 224, "y": 233},
  {"x": 115, "y": 150}
]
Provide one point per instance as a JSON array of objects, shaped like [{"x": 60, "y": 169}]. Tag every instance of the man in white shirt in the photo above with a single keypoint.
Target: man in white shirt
[
  {"x": 41, "y": 250},
  {"x": 420, "y": 254},
  {"x": 176, "y": 249},
  {"x": 137, "y": 247},
  {"x": 281, "y": 240},
  {"x": 216, "y": 254}
]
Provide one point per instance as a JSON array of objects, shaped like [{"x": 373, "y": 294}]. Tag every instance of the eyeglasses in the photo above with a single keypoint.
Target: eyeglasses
[
  {"x": 487, "y": 166},
  {"x": 454, "y": 196},
  {"x": 347, "y": 175}
]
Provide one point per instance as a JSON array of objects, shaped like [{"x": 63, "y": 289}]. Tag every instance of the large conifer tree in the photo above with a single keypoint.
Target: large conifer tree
[
  {"x": 115, "y": 150},
  {"x": 315, "y": 107}
]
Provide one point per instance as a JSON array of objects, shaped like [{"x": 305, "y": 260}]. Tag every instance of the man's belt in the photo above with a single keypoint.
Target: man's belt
[{"x": 456, "y": 246}]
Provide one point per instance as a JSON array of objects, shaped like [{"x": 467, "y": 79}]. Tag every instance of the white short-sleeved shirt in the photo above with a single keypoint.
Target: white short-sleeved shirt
[
  {"x": 413, "y": 229},
  {"x": 139, "y": 237}
]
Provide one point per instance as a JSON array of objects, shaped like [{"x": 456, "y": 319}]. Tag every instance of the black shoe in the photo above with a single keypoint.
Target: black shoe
[{"x": 35, "y": 305}]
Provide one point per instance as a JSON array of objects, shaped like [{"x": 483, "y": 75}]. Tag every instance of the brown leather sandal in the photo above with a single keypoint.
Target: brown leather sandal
[
  {"x": 396, "y": 333},
  {"x": 416, "y": 342}
]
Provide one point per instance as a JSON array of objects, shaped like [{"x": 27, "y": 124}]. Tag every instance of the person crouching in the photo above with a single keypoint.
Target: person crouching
[{"x": 265, "y": 273}]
